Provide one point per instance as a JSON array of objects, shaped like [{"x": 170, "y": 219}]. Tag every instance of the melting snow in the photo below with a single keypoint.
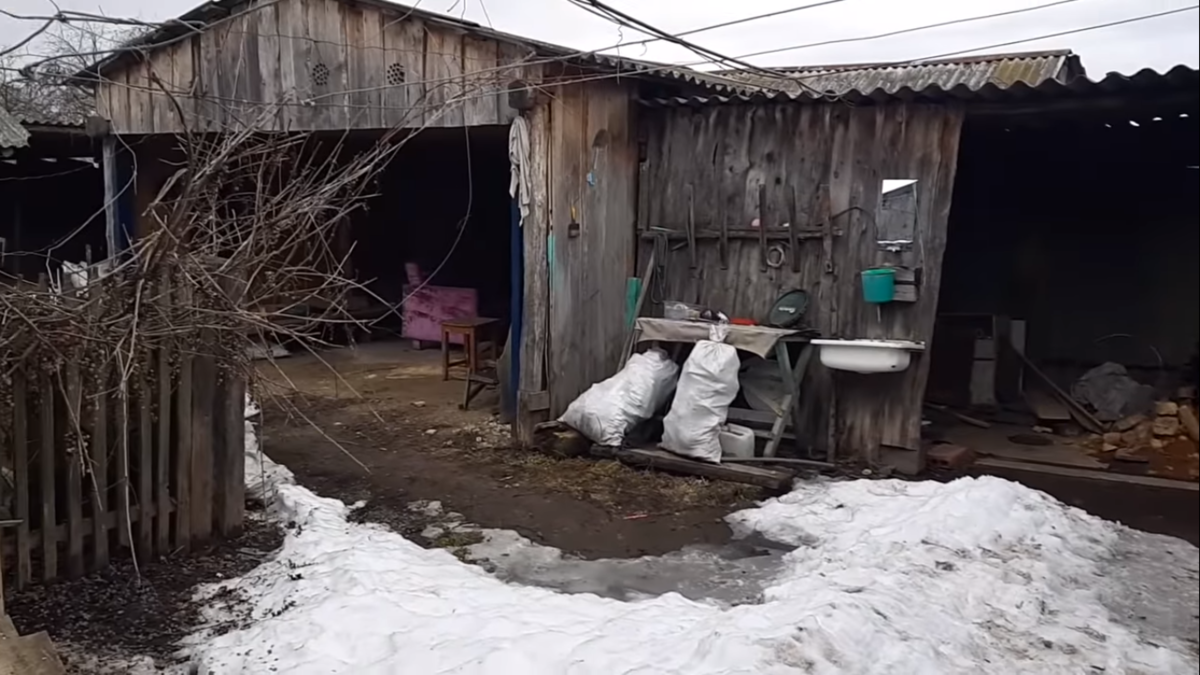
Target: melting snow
[{"x": 889, "y": 577}]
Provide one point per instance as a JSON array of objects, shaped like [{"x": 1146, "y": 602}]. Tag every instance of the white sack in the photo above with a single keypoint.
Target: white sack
[
  {"x": 707, "y": 386},
  {"x": 609, "y": 409}
]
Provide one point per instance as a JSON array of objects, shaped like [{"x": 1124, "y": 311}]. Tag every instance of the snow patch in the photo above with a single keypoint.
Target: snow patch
[{"x": 889, "y": 577}]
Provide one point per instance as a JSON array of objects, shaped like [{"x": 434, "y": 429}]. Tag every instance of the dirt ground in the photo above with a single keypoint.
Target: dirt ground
[
  {"x": 391, "y": 412},
  {"x": 110, "y": 622}
]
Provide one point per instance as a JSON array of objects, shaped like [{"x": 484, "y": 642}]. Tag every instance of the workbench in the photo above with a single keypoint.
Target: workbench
[{"x": 762, "y": 341}]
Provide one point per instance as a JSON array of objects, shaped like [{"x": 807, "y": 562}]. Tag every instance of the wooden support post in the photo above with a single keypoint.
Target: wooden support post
[{"x": 112, "y": 220}]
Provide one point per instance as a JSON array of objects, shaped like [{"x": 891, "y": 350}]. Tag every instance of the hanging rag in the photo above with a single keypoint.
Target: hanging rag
[{"x": 518, "y": 156}]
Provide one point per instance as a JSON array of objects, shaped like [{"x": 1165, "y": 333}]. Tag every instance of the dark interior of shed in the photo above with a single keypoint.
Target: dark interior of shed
[
  {"x": 443, "y": 205},
  {"x": 1073, "y": 237},
  {"x": 50, "y": 212}
]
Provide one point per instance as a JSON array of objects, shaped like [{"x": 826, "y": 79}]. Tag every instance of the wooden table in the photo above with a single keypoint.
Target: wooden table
[{"x": 477, "y": 338}]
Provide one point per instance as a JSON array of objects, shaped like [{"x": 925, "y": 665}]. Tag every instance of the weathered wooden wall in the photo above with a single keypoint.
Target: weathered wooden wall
[
  {"x": 315, "y": 65},
  {"x": 717, "y": 161},
  {"x": 592, "y": 183}
]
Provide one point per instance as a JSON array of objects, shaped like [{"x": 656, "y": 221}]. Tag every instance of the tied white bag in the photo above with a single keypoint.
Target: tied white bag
[
  {"x": 707, "y": 386},
  {"x": 609, "y": 409}
]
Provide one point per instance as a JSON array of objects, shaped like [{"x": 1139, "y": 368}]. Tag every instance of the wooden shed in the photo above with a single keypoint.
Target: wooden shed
[
  {"x": 366, "y": 66},
  {"x": 850, "y": 168}
]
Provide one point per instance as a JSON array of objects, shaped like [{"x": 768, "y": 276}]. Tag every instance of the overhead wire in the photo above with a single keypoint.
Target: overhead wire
[
  {"x": 627, "y": 20},
  {"x": 906, "y": 31},
  {"x": 1047, "y": 36}
]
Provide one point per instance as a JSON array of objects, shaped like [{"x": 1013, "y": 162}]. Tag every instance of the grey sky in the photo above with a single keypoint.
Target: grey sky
[{"x": 1157, "y": 43}]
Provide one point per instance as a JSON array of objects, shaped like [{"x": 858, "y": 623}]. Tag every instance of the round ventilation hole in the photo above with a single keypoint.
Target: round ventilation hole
[
  {"x": 395, "y": 74},
  {"x": 320, "y": 74}
]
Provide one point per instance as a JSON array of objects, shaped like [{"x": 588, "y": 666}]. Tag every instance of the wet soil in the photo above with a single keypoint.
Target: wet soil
[{"x": 100, "y": 623}]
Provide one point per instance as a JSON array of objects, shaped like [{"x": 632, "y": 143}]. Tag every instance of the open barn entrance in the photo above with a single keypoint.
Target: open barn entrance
[
  {"x": 1068, "y": 318},
  {"x": 431, "y": 246}
]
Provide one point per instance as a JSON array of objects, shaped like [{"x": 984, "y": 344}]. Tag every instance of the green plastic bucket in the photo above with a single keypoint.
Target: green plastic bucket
[{"x": 879, "y": 285}]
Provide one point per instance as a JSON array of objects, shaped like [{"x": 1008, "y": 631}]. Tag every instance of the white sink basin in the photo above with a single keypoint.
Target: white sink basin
[{"x": 867, "y": 356}]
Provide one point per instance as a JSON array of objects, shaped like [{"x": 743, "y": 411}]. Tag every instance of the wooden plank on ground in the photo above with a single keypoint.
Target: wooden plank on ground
[
  {"x": 660, "y": 459},
  {"x": 24, "y": 572},
  {"x": 1081, "y": 415},
  {"x": 74, "y": 391},
  {"x": 1150, "y": 481},
  {"x": 46, "y": 471},
  {"x": 1045, "y": 406}
]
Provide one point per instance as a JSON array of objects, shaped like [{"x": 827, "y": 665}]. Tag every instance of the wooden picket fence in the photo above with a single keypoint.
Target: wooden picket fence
[{"x": 98, "y": 472}]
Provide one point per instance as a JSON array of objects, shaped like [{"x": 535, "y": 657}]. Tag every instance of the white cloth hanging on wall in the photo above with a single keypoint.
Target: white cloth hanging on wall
[{"x": 518, "y": 156}]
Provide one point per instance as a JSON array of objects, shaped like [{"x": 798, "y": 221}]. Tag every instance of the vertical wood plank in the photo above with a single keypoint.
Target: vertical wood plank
[
  {"x": 74, "y": 486},
  {"x": 362, "y": 83},
  {"x": 443, "y": 77},
  {"x": 568, "y": 115},
  {"x": 404, "y": 46},
  {"x": 203, "y": 385},
  {"x": 121, "y": 483},
  {"x": 145, "y": 466},
  {"x": 216, "y": 105},
  {"x": 327, "y": 67},
  {"x": 231, "y": 461},
  {"x": 99, "y": 474},
  {"x": 159, "y": 71},
  {"x": 481, "y": 81},
  {"x": 182, "y": 515},
  {"x": 24, "y": 571},
  {"x": 46, "y": 476},
  {"x": 292, "y": 69},
  {"x": 183, "y": 85},
  {"x": 266, "y": 18},
  {"x": 535, "y": 321},
  {"x": 162, "y": 465}
]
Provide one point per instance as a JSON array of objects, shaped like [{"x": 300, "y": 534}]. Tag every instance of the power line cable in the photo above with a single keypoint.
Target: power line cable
[
  {"x": 905, "y": 31},
  {"x": 624, "y": 19},
  {"x": 1110, "y": 24}
]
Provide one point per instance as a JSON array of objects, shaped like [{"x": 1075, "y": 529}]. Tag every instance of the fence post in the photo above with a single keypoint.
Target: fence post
[
  {"x": 75, "y": 455},
  {"x": 21, "y": 476},
  {"x": 46, "y": 476}
]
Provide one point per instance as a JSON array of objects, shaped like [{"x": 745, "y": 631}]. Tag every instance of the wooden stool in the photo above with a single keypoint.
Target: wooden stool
[{"x": 471, "y": 330}]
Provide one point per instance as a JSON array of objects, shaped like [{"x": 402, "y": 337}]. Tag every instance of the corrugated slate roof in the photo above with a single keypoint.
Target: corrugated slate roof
[
  {"x": 973, "y": 72},
  {"x": 1145, "y": 82},
  {"x": 12, "y": 133},
  {"x": 50, "y": 119}
]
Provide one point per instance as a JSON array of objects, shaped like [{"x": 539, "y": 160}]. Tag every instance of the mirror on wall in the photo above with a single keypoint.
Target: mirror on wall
[{"x": 896, "y": 224}]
